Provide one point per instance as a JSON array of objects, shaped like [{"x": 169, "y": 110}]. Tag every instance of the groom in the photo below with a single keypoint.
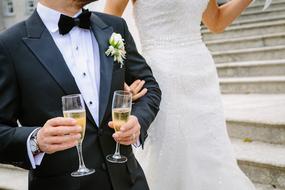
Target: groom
[{"x": 51, "y": 55}]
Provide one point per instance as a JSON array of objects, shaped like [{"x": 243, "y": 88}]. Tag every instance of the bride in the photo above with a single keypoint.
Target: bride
[{"x": 188, "y": 147}]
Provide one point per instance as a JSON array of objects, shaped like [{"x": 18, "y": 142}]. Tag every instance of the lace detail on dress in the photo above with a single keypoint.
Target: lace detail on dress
[{"x": 172, "y": 41}]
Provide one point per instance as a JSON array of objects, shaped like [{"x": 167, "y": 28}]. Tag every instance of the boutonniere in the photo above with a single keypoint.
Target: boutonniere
[{"x": 117, "y": 48}]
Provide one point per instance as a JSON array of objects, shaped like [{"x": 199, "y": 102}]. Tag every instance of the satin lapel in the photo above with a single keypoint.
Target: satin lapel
[
  {"x": 44, "y": 48},
  {"x": 102, "y": 33}
]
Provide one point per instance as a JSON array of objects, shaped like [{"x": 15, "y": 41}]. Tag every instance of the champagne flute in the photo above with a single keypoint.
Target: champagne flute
[
  {"x": 73, "y": 107},
  {"x": 121, "y": 110}
]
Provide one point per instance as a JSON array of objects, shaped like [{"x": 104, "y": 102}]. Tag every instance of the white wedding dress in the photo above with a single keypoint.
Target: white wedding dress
[{"x": 188, "y": 147}]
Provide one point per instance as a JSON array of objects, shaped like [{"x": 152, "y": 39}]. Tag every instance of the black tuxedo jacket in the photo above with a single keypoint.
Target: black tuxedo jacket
[{"x": 34, "y": 77}]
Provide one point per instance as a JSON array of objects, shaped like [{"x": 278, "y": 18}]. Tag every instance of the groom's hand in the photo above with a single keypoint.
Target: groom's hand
[
  {"x": 129, "y": 132},
  {"x": 58, "y": 134}
]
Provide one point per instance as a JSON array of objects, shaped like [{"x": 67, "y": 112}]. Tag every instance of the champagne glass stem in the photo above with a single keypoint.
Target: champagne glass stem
[
  {"x": 73, "y": 107},
  {"x": 80, "y": 156},
  {"x": 117, "y": 154}
]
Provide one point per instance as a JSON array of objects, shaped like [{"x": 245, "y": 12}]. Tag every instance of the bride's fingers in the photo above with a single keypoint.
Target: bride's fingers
[
  {"x": 138, "y": 88},
  {"x": 127, "y": 88},
  {"x": 140, "y": 94},
  {"x": 134, "y": 85}
]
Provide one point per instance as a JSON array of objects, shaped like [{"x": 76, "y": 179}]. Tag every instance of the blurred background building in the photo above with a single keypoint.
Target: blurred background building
[{"x": 13, "y": 11}]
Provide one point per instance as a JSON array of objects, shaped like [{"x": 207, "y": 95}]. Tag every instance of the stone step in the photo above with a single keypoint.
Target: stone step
[
  {"x": 254, "y": 131},
  {"x": 256, "y": 117},
  {"x": 258, "y": 6},
  {"x": 246, "y": 30},
  {"x": 254, "y": 14},
  {"x": 12, "y": 178},
  {"x": 262, "y": 1},
  {"x": 260, "y": 19},
  {"x": 247, "y": 42},
  {"x": 253, "y": 85},
  {"x": 266, "y": 187},
  {"x": 252, "y": 68},
  {"x": 263, "y": 163},
  {"x": 250, "y": 54},
  {"x": 257, "y": 19}
]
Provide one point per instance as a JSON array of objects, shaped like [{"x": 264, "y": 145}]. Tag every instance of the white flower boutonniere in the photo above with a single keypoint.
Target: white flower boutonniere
[{"x": 117, "y": 48}]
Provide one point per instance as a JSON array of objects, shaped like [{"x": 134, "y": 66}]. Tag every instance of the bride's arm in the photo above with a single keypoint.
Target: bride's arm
[
  {"x": 218, "y": 18},
  {"x": 115, "y": 7}
]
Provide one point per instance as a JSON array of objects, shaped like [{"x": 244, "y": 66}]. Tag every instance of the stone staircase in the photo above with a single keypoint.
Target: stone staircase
[
  {"x": 13, "y": 178},
  {"x": 250, "y": 58}
]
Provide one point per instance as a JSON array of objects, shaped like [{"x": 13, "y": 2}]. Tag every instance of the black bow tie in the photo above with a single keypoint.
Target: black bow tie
[{"x": 66, "y": 23}]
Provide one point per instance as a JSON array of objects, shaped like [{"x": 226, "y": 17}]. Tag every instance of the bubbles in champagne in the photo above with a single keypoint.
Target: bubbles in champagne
[
  {"x": 120, "y": 117},
  {"x": 80, "y": 117}
]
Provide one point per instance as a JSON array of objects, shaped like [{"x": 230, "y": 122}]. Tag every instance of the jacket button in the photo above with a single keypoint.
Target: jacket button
[
  {"x": 100, "y": 132},
  {"x": 104, "y": 167}
]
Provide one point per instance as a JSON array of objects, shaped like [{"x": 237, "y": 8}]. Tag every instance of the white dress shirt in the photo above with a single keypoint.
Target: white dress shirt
[{"x": 80, "y": 51}]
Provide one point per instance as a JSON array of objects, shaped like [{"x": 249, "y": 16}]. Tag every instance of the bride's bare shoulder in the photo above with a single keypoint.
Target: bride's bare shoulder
[{"x": 116, "y": 7}]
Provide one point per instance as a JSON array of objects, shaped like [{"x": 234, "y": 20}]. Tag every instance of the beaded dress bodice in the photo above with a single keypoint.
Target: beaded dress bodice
[{"x": 164, "y": 22}]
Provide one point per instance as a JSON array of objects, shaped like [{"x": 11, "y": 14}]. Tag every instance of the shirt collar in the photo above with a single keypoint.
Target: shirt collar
[{"x": 50, "y": 17}]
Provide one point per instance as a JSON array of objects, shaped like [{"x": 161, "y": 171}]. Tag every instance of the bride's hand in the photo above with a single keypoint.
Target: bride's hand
[{"x": 136, "y": 88}]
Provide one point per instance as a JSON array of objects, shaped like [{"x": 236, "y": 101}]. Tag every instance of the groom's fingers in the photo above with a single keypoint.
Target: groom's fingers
[
  {"x": 127, "y": 142},
  {"x": 132, "y": 123},
  {"x": 52, "y": 148},
  {"x": 110, "y": 124},
  {"x": 63, "y": 130},
  {"x": 60, "y": 121},
  {"x": 129, "y": 132},
  {"x": 58, "y": 134},
  {"x": 133, "y": 139},
  {"x": 62, "y": 139},
  {"x": 120, "y": 134},
  {"x": 130, "y": 127}
]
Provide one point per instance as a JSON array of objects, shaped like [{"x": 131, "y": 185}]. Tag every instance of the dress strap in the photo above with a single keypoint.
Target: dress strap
[{"x": 266, "y": 5}]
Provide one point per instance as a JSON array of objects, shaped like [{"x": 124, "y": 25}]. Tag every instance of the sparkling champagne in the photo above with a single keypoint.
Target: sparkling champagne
[
  {"x": 80, "y": 117},
  {"x": 120, "y": 117}
]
